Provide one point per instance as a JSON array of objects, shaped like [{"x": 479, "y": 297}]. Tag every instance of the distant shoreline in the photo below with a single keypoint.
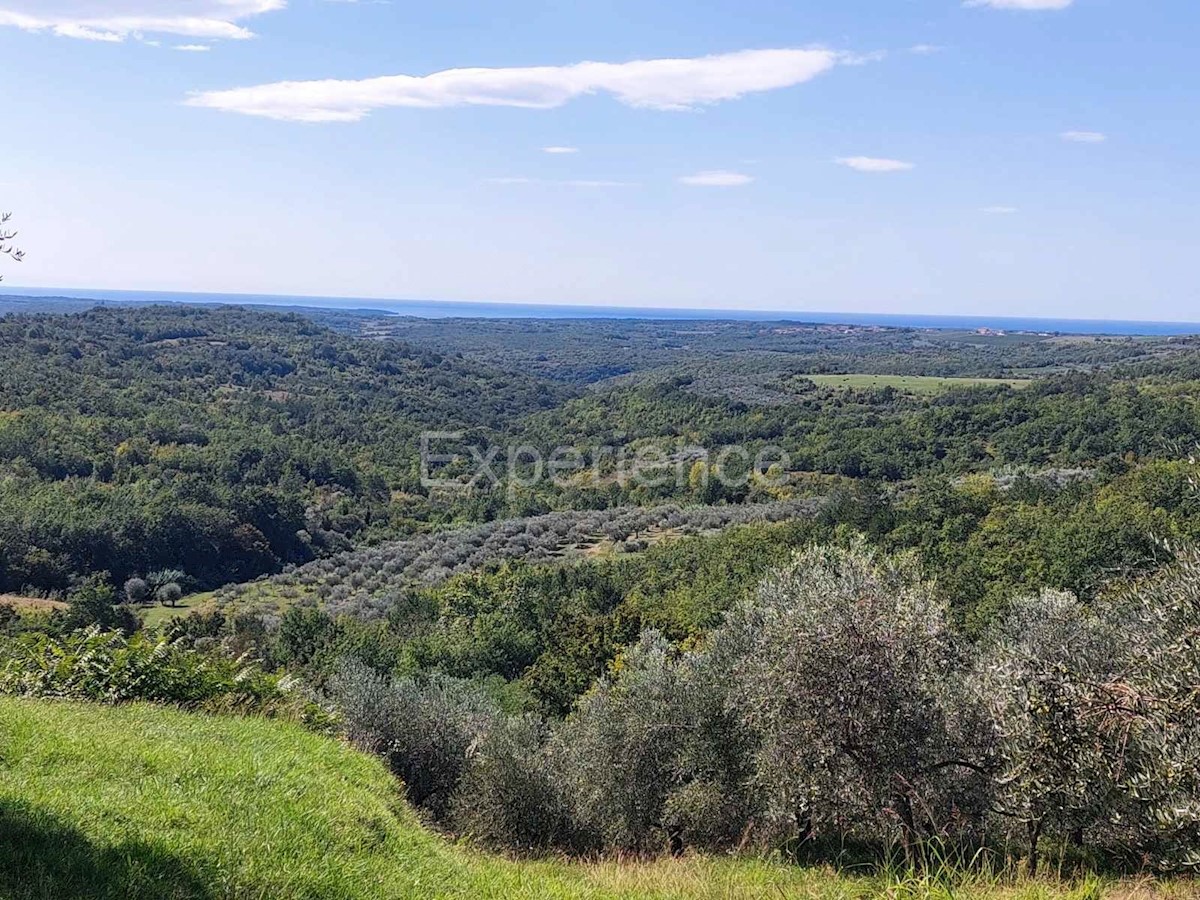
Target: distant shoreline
[{"x": 429, "y": 309}]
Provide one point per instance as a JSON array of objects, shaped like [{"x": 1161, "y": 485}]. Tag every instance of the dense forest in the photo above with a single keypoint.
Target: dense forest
[{"x": 220, "y": 442}]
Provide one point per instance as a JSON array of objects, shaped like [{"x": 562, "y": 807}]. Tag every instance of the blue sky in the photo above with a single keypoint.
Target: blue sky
[{"x": 888, "y": 156}]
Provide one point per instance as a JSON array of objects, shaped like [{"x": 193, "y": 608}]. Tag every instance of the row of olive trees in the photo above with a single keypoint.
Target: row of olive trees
[
  {"x": 365, "y": 582},
  {"x": 837, "y": 709}
]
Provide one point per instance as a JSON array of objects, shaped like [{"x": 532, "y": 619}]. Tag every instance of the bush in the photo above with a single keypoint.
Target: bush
[
  {"x": 640, "y": 751},
  {"x": 137, "y": 591},
  {"x": 508, "y": 797},
  {"x": 113, "y": 668},
  {"x": 1037, "y": 677},
  {"x": 844, "y": 670},
  {"x": 425, "y": 729},
  {"x": 169, "y": 594}
]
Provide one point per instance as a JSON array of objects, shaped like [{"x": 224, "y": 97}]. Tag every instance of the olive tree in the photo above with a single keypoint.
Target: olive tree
[
  {"x": 426, "y": 729},
  {"x": 650, "y": 758},
  {"x": 136, "y": 591},
  {"x": 1042, "y": 675},
  {"x": 508, "y": 796},
  {"x": 1096, "y": 717},
  {"x": 846, "y": 672},
  {"x": 1150, "y": 712}
]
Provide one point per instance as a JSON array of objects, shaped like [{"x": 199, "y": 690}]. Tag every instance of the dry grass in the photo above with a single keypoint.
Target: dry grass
[{"x": 31, "y": 604}]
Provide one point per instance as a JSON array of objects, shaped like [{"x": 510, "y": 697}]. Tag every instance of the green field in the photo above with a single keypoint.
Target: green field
[
  {"x": 146, "y": 803},
  {"x": 913, "y": 384},
  {"x": 153, "y": 616}
]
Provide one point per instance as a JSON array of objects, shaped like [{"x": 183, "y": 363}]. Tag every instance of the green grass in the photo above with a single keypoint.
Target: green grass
[
  {"x": 913, "y": 384},
  {"x": 153, "y": 616},
  {"x": 146, "y": 803}
]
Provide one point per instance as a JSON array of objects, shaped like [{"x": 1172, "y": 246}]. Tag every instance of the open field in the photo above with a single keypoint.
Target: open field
[
  {"x": 153, "y": 616},
  {"x": 914, "y": 384},
  {"x": 31, "y": 604},
  {"x": 146, "y": 802}
]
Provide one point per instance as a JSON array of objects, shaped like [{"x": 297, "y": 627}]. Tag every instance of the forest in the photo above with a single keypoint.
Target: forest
[{"x": 955, "y": 617}]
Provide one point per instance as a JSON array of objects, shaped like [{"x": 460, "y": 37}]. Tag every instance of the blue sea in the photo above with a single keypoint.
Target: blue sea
[{"x": 428, "y": 309}]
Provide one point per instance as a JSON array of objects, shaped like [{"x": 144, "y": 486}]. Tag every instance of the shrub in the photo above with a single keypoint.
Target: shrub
[
  {"x": 169, "y": 594},
  {"x": 642, "y": 750},
  {"x": 841, "y": 665},
  {"x": 1037, "y": 676},
  {"x": 425, "y": 729},
  {"x": 94, "y": 603},
  {"x": 113, "y": 668},
  {"x": 508, "y": 797}
]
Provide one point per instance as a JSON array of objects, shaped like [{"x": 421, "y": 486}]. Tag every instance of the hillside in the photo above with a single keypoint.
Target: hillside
[
  {"x": 144, "y": 802},
  {"x": 221, "y": 442}
]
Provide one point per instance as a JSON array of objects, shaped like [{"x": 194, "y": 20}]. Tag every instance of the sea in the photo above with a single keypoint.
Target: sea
[{"x": 430, "y": 309}]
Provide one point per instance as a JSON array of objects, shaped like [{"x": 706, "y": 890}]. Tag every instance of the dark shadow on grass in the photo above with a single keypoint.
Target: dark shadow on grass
[{"x": 42, "y": 858}]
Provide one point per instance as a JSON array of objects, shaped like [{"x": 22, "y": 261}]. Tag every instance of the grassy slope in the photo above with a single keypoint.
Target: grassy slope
[{"x": 142, "y": 802}]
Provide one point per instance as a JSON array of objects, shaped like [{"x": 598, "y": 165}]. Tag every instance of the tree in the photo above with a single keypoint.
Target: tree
[
  {"x": 163, "y": 577},
  {"x": 136, "y": 590},
  {"x": 846, "y": 671},
  {"x": 1042, "y": 675},
  {"x": 94, "y": 603},
  {"x": 7, "y": 248},
  {"x": 169, "y": 594},
  {"x": 650, "y": 758}
]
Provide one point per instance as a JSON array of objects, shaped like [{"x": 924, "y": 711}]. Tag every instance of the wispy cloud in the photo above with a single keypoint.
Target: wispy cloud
[
  {"x": 874, "y": 164},
  {"x": 716, "y": 178},
  {"x": 999, "y": 210},
  {"x": 1084, "y": 137},
  {"x": 925, "y": 49},
  {"x": 118, "y": 20},
  {"x": 570, "y": 182},
  {"x": 662, "y": 84},
  {"x": 560, "y": 150},
  {"x": 1021, "y": 4},
  {"x": 193, "y": 48}
]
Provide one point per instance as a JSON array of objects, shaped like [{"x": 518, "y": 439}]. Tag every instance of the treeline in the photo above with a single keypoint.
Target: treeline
[
  {"x": 230, "y": 444},
  {"x": 889, "y": 435}
]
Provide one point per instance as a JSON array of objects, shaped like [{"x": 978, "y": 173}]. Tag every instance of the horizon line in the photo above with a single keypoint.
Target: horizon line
[{"x": 611, "y": 311}]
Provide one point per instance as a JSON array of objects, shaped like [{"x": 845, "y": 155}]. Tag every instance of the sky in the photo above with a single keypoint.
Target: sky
[{"x": 1000, "y": 157}]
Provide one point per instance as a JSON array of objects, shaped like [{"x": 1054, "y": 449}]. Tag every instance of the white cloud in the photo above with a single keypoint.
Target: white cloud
[
  {"x": 664, "y": 84},
  {"x": 716, "y": 178},
  {"x": 1084, "y": 137},
  {"x": 999, "y": 210},
  {"x": 118, "y": 20},
  {"x": 193, "y": 48},
  {"x": 925, "y": 49},
  {"x": 574, "y": 182},
  {"x": 1021, "y": 4},
  {"x": 873, "y": 164},
  {"x": 560, "y": 150}
]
